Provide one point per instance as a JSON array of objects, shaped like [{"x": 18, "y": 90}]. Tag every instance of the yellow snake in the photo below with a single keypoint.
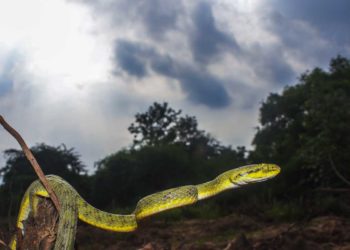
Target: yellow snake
[{"x": 73, "y": 206}]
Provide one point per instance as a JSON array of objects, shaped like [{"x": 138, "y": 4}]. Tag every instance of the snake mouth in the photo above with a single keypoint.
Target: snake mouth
[
  {"x": 250, "y": 176},
  {"x": 248, "y": 181}
]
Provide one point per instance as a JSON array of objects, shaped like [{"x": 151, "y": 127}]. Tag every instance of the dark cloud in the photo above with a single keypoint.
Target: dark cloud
[
  {"x": 7, "y": 75},
  {"x": 200, "y": 86},
  {"x": 330, "y": 18},
  {"x": 131, "y": 57},
  {"x": 293, "y": 35},
  {"x": 156, "y": 17},
  {"x": 165, "y": 65},
  {"x": 207, "y": 40},
  {"x": 299, "y": 39},
  {"x": 160, "y": 16},
  {"x": 203, "y": 88},
  {"x": 274, "y": 68},
  {"x": 6, "y": 84},
  {"x": 270, "y": 65}
]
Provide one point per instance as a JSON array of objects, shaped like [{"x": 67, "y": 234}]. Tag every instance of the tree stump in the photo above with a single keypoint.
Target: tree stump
[{"x": 40, "y": 230}]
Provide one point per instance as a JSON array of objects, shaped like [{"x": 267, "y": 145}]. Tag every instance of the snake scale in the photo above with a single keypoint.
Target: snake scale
[{"x": 73, "y": 206}]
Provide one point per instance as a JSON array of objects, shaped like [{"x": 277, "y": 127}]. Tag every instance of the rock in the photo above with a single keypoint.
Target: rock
[
  {"x": 152, "y": 246},
  {"x": 240, "y": 243},
  {"x": 148, "y": 246}
]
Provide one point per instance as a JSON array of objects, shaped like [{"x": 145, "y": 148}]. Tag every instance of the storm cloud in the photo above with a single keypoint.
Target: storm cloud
[
  {"x": 207, "y": 41},
  {"x": 200, "y": 86},
  {"x": 86, "y": 75},
  {"x": 270, "y": 64},
  {"x": 330, "y": 18},
  {"x": 131, "y": 58},
  {"x": 7, "y": 74},
  {"x": 6, "y": 83},
  {"x": 160, "y": 16}
]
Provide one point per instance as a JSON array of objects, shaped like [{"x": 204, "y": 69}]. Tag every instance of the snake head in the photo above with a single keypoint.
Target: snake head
[{"x": 254, "y": 173}]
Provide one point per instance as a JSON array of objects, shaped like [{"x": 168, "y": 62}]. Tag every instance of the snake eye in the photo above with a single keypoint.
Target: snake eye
[{"x": 233, "y": 180}]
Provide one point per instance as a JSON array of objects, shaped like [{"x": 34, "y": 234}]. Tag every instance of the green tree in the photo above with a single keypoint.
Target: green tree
[
  {"x": 17, "y": 174},
  {"x": 128, "y": 175},
  {"x": 306, "y": 129},
  {"x": 169, "y": 150},
  {"x": 161, "y": 125}
]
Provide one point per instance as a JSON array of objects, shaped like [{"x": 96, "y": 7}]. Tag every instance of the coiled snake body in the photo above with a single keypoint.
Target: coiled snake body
[{"x": 73, "y": 206}]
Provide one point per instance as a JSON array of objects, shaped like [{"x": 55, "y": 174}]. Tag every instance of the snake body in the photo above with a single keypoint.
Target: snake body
[{"x": 73, "y": 206}]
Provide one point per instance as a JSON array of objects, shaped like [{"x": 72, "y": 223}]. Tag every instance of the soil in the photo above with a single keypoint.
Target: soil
[{"x": 228, "y": 233}]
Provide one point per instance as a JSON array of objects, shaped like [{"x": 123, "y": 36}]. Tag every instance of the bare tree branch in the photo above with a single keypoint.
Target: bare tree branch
[
  {"x": 32, "y": 161},
  {"x": 4, "y": 244},
  {"x": 337, "y": 172},
  {"x": 335, "y": 190}
]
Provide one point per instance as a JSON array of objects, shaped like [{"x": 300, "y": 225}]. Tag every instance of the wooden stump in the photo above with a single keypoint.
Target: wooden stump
[{"x": 40, "y": 230}]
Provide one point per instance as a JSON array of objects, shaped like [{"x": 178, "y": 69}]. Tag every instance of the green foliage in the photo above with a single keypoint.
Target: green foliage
[
  {"x": 168, "y": 151},
  {"x": 306, "y": 128},
  {"x": 129, "y": 175},
  {"x": 162, "y": 125},
  {"x": 156, "y": 126},
  {"x": 18, "y": 173}
]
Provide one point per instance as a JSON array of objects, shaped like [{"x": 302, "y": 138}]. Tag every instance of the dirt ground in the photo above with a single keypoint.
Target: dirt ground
[{"x": 228, "y": 233}]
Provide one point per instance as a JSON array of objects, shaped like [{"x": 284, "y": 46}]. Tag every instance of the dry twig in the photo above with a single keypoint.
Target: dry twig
[
  {"x": 340, "y": 176},
  {"x": 32, "y": 160},
  {"x": 4, "y": 244}
]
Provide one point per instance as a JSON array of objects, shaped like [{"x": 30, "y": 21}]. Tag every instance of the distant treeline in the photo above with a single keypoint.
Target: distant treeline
[{"x": 305, "y": 130}]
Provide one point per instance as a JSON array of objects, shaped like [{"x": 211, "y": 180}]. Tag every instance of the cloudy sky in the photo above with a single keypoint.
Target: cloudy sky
[{"x": 77, "y": 71}]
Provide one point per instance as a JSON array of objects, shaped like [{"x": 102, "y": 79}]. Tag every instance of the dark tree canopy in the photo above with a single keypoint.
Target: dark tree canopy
[
  {"x": 306, "y": 128},
  {"x": 161, "y": 124},
  {"x": 53, "y": 160},
  {"x": 340, "y": 65},
  {"x": 126, "y": 176},
  {"x": 17, "y": 174},
  {"x": 169, "y": 150}
]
